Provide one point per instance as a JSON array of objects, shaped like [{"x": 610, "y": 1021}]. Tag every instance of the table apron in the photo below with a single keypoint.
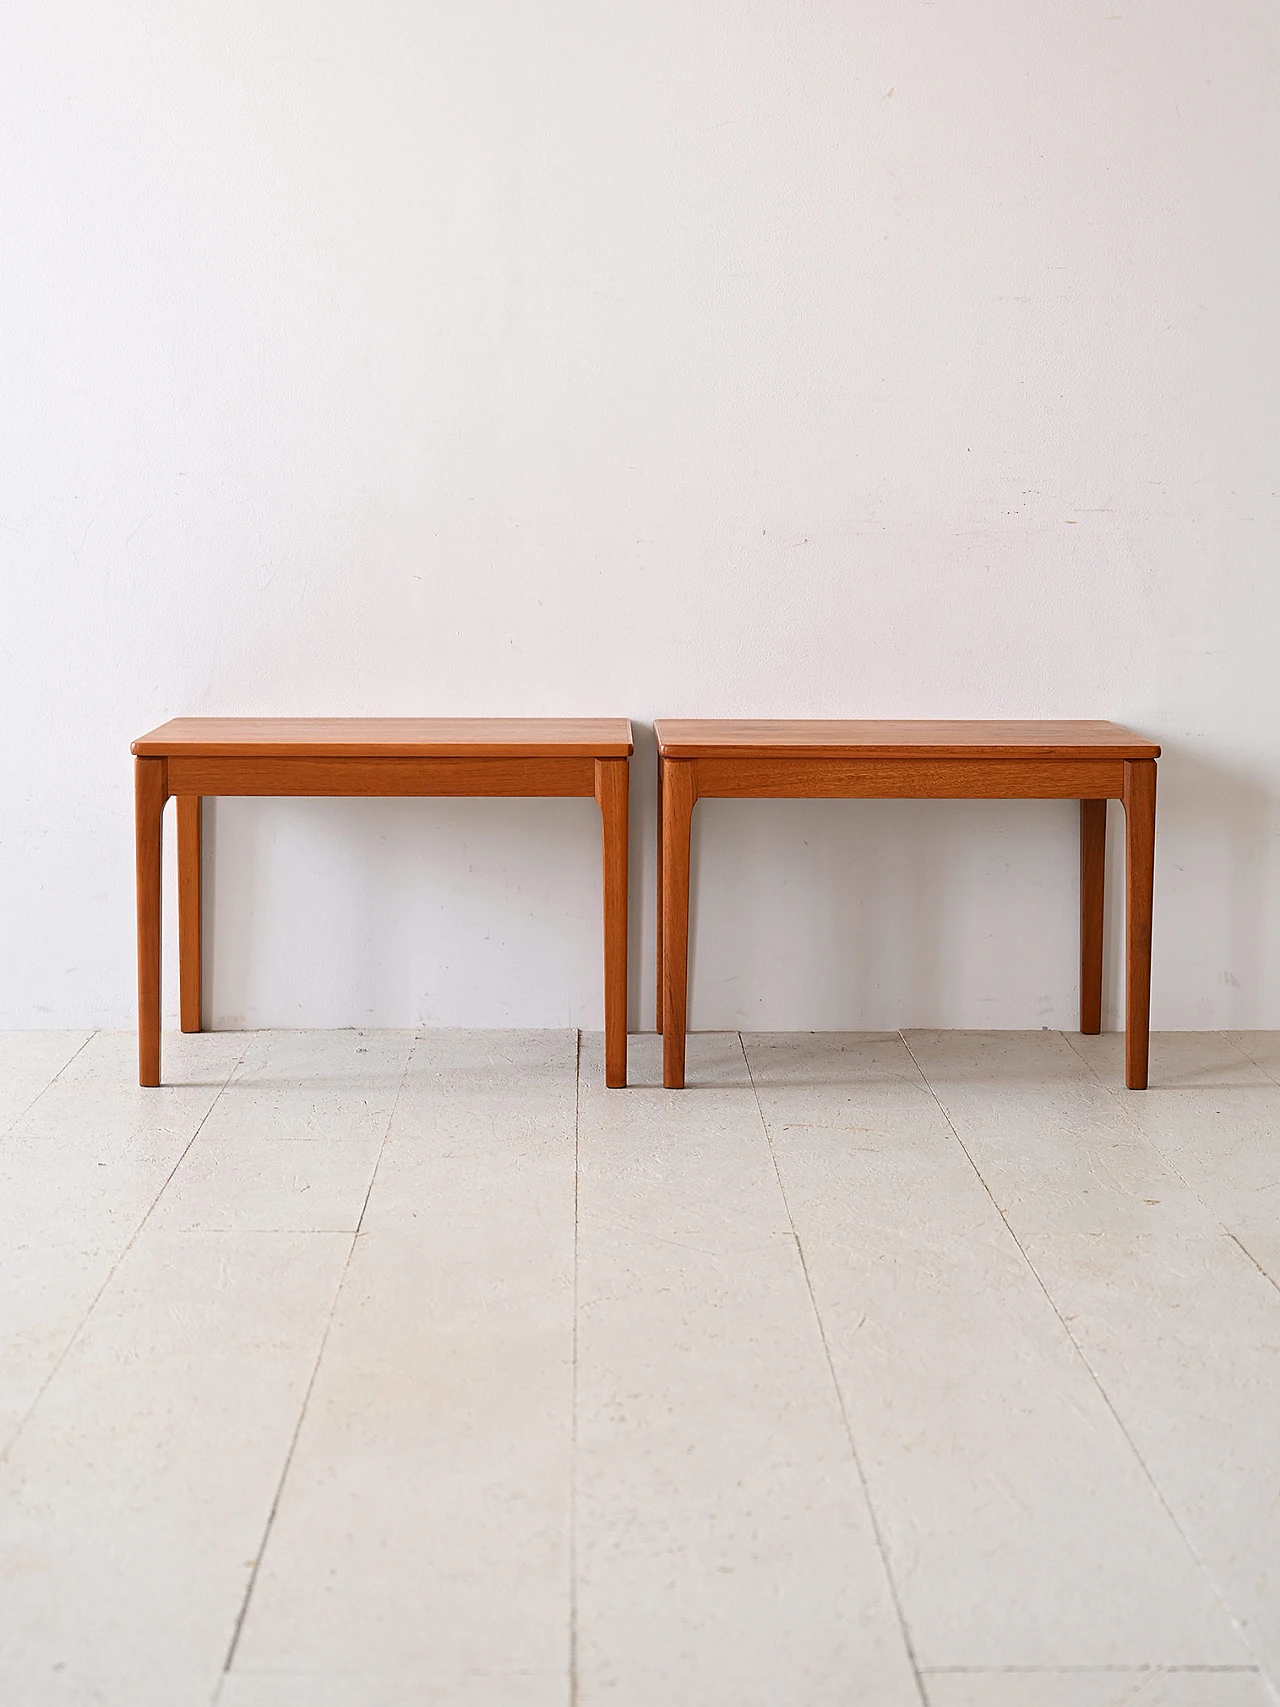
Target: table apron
[
  {"x": 910, "y": 779},
  {"x": 539, "y": 777}
]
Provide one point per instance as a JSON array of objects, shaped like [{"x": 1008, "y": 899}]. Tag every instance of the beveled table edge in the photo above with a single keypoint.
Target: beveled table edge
[
  {"x": 157, "y": 744},
  {"x": 698, "y": 742}
]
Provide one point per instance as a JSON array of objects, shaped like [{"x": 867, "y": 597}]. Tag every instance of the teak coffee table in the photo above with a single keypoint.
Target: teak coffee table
[
  {"x": 1089, "y": 762},
  {"x": 191, "y": 757}
]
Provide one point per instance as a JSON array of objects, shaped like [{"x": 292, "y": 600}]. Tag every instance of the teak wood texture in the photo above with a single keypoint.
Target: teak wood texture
[
  {"x": 1090, "y": 761},
  {"x": 192, "y": 757},
  {"x": 703, "y": 738},
  {"x": 388, "y": 738}
]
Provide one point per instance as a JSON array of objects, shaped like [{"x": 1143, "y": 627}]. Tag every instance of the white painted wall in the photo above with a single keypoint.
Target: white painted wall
[{"x": 861, "y": 358}]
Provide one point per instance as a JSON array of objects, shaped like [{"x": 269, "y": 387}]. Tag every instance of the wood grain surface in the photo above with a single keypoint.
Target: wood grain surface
[
  {"x": 149, "y": 798},
  {"x": 695, "y": 738},
  {"x": 189, "y": 810},
  {"x": 782, "y": 775},
  {"x": 1140, "y": 854},
  {"x": 1093, "y": 878},
  {"x": 367, "y": 775},
  {"x": 613, "y": 778},
  {"x": 389, "y": 737}
]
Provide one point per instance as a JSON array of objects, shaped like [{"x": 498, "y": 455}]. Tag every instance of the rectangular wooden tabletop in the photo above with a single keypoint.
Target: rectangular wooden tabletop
[
  {"x": 388, "y": 737},
  {"x": 704, "y": 738}
]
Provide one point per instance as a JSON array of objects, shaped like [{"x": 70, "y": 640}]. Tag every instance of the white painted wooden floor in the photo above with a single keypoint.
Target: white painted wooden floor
[{"x": 380, "y": 1369}]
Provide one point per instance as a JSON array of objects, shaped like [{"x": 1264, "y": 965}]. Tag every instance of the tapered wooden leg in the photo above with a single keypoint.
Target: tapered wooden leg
[
  {"x": 149, "y": 793},
  {"x": 679, "y": 791},
  {"x": 612, "y": 776},
  {"x": 1140, "y": 847},
  {"x": 658, "y": 992},
  {"x": 1093, "y": 876},
  {"x": 189, "y": 909}
]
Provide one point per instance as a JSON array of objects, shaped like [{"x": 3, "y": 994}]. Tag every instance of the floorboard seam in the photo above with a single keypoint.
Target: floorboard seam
[
  {"x": 835, "y": 1382},
  {"x": 1167, "y": 1160},
  {"x": 1140, "y": 1131},
  {"x": 311, "y": 1380},
  {"x": 124, "y": 1252},
  {"x": 1171, "y": 1165},
  {"x": 44, "y": 1089},
  {"x": 1251, "y": 1059},
  {"x": 1237, "y": 1240},
  {"x": 1093, "y": 1374}
]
